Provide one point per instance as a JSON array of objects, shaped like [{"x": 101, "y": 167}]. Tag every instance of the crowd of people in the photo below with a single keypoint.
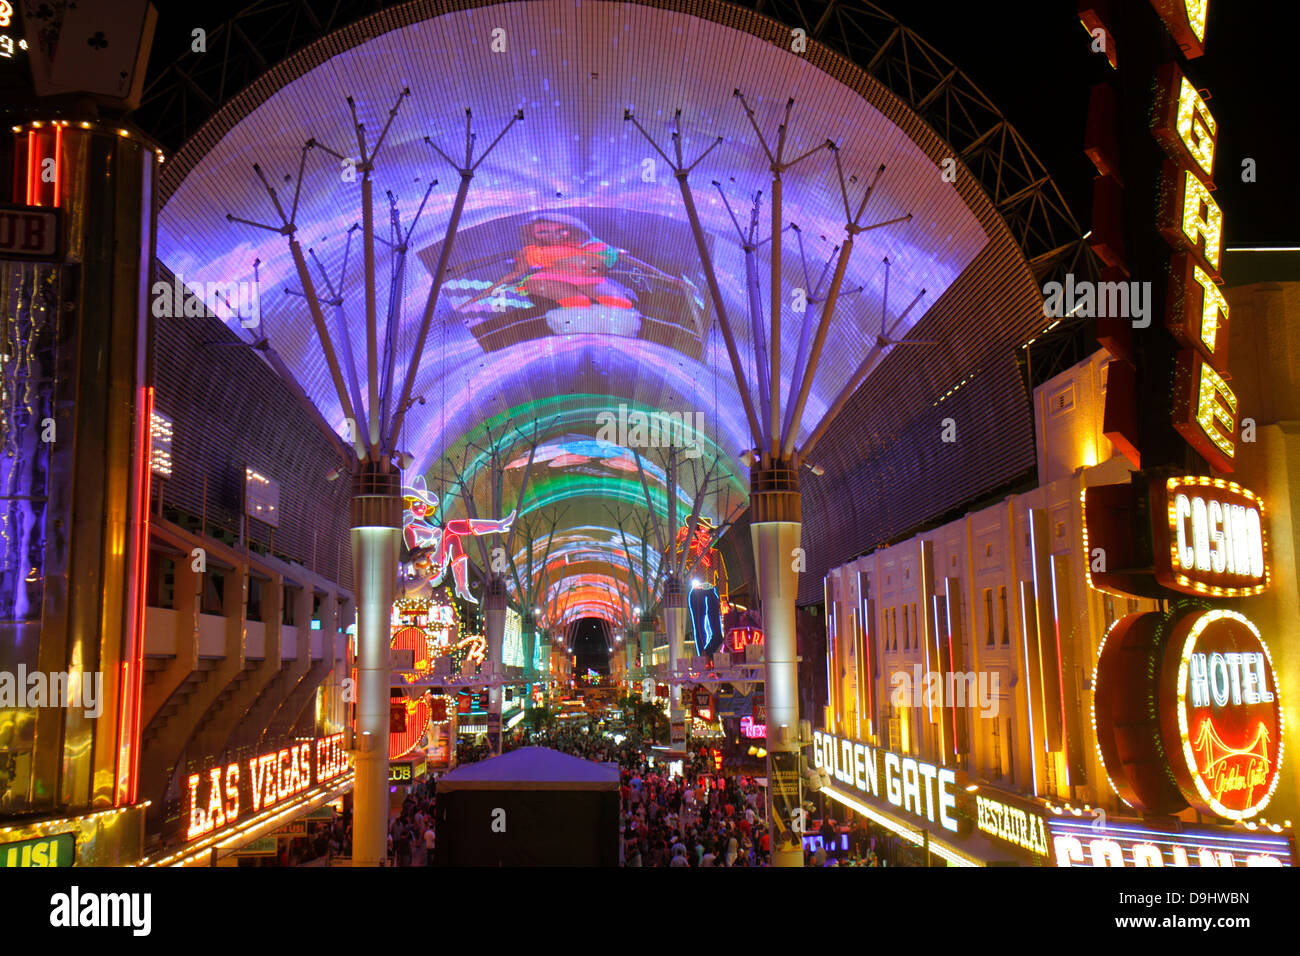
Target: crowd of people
[
  {"x": 411, "y": 832},
  {"x": 700, "y": 817}
]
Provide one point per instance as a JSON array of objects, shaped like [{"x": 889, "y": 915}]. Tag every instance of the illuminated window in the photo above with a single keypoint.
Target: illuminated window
[
  {"x": 988, "y": 616},
  {"x": 1006, "y": 621},
  {"x": 1010, "y": 749},
  {"x": 995, "y": 741}
]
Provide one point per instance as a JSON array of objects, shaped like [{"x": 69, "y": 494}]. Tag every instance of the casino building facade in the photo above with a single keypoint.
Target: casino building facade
[{"x": 1009, "y": 609}]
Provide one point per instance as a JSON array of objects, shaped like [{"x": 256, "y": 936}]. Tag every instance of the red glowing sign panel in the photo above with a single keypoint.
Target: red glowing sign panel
[
  {"x": 738, "y": 638},
  {"x": 751, "y": 730},
  {"x": 1221, "y": 719},
  {"x": 409, "y": 718},
  {"x": 414, "y": 639}
]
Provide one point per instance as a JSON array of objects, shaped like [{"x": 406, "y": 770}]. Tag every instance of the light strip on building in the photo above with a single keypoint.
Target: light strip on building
[
  {"x": 937, "y": 848},
  {"x": 1056, "y": 635},
  {"x": 1029, "y": 697}
]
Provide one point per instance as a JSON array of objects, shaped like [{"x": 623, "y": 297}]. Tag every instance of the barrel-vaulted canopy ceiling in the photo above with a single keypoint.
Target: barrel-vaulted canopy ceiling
[{"x": 561, "y": 352}]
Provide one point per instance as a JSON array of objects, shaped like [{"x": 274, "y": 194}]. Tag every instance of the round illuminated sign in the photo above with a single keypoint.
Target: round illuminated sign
[
  {"x": 1125, "y": 715},
  {"x": 1221, "y": 720},
  {"x": 417, "y": 641},
  {"x": 407, "y": 730}
]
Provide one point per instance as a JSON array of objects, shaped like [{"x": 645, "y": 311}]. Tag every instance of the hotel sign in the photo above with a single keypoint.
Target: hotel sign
[
  {"x": 1078, "y": 843},
  {"x": 924, "y": 791},
  {"x": 1209, "y": 537},
  {"x": 1221, "y": 718},
  {"x": 1187, "y": 713}
]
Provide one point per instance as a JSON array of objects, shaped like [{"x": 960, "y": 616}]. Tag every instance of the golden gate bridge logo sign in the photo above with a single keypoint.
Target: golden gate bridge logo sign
[{"x": 1223, "y": 736}]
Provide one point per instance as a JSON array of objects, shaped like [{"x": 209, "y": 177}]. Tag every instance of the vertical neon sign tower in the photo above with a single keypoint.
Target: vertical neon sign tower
[
  {"x": 775, "y": 510},
  {"x": 374, "y": 426},
  {"x": 75, "y": 418}
]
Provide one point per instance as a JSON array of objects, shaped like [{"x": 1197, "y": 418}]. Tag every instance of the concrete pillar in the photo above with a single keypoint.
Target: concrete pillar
[
  {"x": 494, "y": 610},
  {"x": 647, "y": 647},
  {"x": 775, "y": 529},
  {"x": 376, "y": 531},
  {"x": 675, "y": 623}
]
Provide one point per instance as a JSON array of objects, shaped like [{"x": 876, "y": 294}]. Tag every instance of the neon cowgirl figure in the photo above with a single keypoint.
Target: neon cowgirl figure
[{"x": 437, "y": 547}]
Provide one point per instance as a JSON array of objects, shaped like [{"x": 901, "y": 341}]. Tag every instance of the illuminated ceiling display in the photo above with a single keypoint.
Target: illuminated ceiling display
[{"x": 573, "y": 278}]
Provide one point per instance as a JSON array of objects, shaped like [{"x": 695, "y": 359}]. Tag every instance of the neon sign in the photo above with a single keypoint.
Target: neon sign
[
  {"x": 434, "y": 547},
  {"x": 738, "y": 638},
  {"x": 416, "y": 640},
  {"x": 1205, "y": 408},
  {"x": 1212, "y": 539},
  {"x": 706, "y": 619},
  {"x": 1079, "y": 843},
  {"x": 924, "y": 790},
  {"x": 1228, "y": 719},
  {"x": 1021, "y": 828},
  {"x": 1186, "y": 711},
  {"x": 751, "y": 730},
  {"x": 222, "y": 795}
]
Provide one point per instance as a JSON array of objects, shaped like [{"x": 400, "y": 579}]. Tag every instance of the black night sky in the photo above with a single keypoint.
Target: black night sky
[
  {"x": 589, "y": 648},
  {"x": 1034, "y": 60}
]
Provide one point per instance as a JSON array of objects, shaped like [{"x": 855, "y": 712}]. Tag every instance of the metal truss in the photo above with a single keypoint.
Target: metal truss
[
  {"x": 689, "y": 673},
  {"x": 1013, "y": 177},
  {"x": 191, "y": 89}
]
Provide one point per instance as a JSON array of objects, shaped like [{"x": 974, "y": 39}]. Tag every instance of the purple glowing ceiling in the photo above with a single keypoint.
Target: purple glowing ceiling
[{"x": 574, "y": 270}]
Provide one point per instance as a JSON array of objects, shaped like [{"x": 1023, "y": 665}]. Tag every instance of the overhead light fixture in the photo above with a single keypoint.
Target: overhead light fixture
[{"x": 334, "y": 474}]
